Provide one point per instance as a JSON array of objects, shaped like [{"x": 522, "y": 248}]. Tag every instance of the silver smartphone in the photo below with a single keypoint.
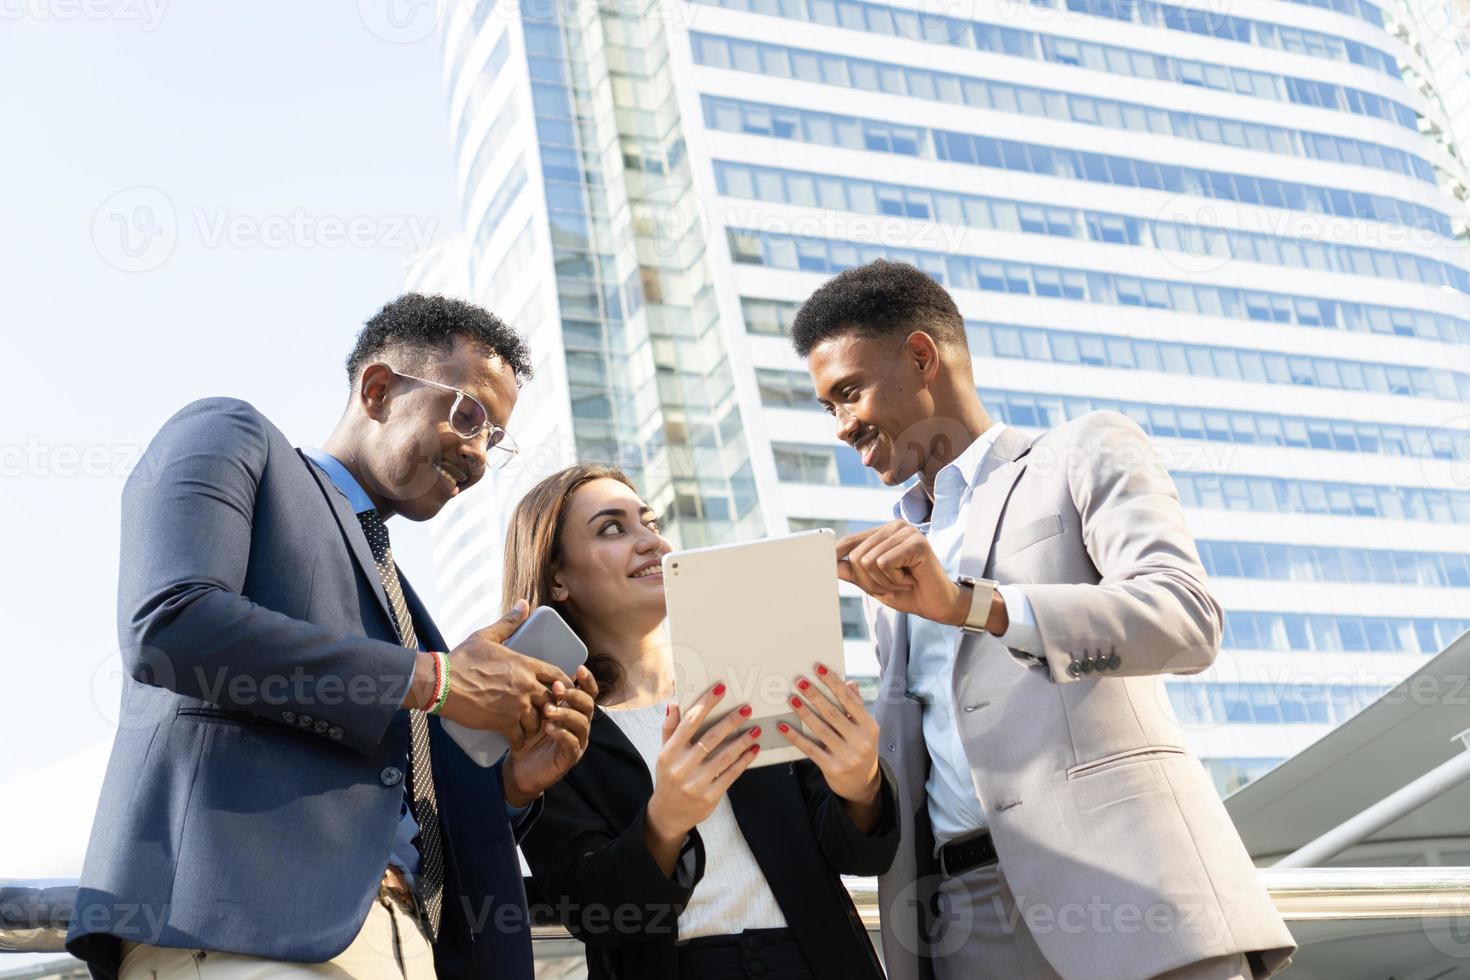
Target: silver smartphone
[{"x": 545, "y": 636}]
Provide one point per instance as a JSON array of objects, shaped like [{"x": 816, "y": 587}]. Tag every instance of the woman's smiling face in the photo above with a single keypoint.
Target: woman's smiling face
[{"x": 610, "y": 555}]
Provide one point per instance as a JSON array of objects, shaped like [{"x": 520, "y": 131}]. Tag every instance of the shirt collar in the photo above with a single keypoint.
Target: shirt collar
[
  {"x": 914, "y": 506},
  {"x": 339, "y": 475}
]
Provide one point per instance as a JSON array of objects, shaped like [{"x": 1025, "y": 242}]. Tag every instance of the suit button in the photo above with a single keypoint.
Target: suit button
[
  {"x": 1114, "y": 662},
  {"x": 289, "y": 717},
  {"x": 1073, "y": 670},
  {"x": 391, "y": 776},
  {"x": 1087, "y": 666},
  {"x": 320, "y": 726},
  {"x": 892, "y": 747},
  {"x": 335, "y": 734},
  {"x": 303, "y": 721}
]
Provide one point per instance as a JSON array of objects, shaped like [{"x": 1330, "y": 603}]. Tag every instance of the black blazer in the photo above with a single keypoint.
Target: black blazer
[{"x": 589, "y": 862}]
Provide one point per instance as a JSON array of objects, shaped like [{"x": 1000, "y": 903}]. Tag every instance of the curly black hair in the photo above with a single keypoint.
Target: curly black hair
[
  {"x": 880, "y": 299},
  {"x": 416, "y": 325}
]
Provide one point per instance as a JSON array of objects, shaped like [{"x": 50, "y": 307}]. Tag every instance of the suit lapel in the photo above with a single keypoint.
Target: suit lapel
[
  {"x": 891, "y": 634},
  {"x": 351, "y": 530},
  {"x": 606, "y": 734},
  {"x": 989, "y": 500}
]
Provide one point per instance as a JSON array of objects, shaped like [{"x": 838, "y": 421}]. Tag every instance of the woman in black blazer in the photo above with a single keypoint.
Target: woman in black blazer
[{"x": 659, "y": 851}]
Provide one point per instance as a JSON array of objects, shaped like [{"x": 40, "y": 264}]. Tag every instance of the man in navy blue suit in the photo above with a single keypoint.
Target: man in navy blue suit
[{"x": 281, "y": 799}]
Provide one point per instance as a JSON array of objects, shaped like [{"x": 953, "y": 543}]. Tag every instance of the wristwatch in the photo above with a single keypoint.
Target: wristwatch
[{"x": 982, "y": 594}]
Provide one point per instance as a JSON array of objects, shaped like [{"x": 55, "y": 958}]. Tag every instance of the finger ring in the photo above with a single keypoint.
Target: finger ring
[{"x": 702, "y": 746}]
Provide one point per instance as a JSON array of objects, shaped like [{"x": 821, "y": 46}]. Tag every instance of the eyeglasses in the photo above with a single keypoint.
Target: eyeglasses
[{"x": 468, "y": 418}]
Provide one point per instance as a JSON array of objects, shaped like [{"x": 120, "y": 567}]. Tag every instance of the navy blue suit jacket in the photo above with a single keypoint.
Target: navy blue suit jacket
[{"x": 256, "y": 779}]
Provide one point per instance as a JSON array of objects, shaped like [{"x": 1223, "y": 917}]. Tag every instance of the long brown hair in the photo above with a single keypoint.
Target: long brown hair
[{"x": 533, "y": 546}]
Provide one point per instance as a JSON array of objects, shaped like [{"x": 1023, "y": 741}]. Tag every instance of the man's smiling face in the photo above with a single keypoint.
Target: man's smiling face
[{"x": 874, "y": 389}]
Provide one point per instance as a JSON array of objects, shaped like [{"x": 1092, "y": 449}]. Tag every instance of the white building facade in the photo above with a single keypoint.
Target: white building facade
[{"x": 1226, "y": 224}]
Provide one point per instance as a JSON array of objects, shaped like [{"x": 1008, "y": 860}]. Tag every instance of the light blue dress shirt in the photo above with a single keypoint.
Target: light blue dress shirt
[
  {"x": 404, "y": 853},
  {"x": 954, "y": 806}
]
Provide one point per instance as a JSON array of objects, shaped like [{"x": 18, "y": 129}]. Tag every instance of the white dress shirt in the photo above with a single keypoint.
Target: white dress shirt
[
  {"x": 733, "y": 894},
  {"x": 954, "y": 806}
]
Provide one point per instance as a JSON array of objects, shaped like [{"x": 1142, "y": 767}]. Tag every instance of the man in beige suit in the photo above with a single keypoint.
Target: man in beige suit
[{"x": 1029, "y": 595}]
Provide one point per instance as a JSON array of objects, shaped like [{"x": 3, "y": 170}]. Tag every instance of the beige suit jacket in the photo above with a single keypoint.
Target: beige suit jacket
[{"x": 1114, "y": 841}]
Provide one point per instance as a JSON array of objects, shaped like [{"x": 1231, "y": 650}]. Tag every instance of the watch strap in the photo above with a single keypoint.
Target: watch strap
[{"x": 982, "y": 594}]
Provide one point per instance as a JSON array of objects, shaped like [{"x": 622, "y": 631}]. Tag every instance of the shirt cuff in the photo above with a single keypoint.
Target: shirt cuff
[
  {"x": 1021, "y": 633},
  {"x": 515, "y": 813}
]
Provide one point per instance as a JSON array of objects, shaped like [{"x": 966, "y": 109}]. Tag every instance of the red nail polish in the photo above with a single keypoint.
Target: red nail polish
[
  {"x": 821, "y": 670},
  {"x": 795, "y": 701},
  {"x": 783, "y": 726},
  {"x": 745, "y": 711},
  {"x": 719, "y": 690},
  {"x": 755, "y": 733},
  {"x": 754, "y": 749},
  {"x": 667, "y": 709},
  {"x": 803, "y": 684}
]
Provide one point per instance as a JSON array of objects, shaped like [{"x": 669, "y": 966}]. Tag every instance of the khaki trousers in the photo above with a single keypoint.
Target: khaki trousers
[
  {"x": 390, "y": 946},
  {"x": 981, "y": 934}
]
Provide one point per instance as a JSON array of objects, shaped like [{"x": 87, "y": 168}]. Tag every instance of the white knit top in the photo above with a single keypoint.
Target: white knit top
[{"x": 733, "y": 894}]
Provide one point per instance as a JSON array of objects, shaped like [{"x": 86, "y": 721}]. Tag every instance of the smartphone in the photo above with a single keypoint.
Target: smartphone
[{"x": 545, "y": 636}]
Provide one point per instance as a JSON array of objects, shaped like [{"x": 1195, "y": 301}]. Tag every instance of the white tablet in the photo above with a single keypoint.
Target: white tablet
[{"x": 755, "y": 615}]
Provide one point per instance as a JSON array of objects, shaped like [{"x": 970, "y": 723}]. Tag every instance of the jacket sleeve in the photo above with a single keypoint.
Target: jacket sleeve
[
  {"x": 1151, "y": 609},
  {"x": 847, "y": 849},
  {"x": 603, "y": 883},
  {"x": 183, "y": 622}
]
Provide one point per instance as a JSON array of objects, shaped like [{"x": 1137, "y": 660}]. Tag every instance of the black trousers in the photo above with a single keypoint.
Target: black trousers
[{"x": 755, "y": 954}]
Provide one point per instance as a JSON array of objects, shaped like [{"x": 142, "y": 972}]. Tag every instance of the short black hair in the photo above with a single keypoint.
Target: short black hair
[
  {"x": 417, "y": 326},
  {"x": 879, "y": 299}
]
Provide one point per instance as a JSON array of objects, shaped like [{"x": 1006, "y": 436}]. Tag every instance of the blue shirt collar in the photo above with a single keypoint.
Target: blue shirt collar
[
  {"x": 344, "y": 480},
  {"x": 915, "y": 506}
]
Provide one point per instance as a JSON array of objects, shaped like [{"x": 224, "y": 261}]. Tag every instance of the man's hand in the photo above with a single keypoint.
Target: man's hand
[
  {"x": 894, "y": 564},
  {"x": 535, "y": 766},
  {"x": 492, "y": 688}
]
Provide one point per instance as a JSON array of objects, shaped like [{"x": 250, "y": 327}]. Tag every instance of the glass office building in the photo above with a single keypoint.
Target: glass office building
[{"x": 1234, "y": 227}]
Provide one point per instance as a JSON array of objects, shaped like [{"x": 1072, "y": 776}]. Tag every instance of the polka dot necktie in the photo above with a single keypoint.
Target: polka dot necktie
[{"x": 430, "y": 878}]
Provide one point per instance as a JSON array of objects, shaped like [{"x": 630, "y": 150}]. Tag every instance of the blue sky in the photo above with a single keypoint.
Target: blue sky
[{"x": 284, "y": 158}]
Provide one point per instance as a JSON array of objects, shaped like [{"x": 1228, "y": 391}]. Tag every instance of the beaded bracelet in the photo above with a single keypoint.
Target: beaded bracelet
[
  {"x": 434, "y": 692},
  {"x": 441, "y": 682}
]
